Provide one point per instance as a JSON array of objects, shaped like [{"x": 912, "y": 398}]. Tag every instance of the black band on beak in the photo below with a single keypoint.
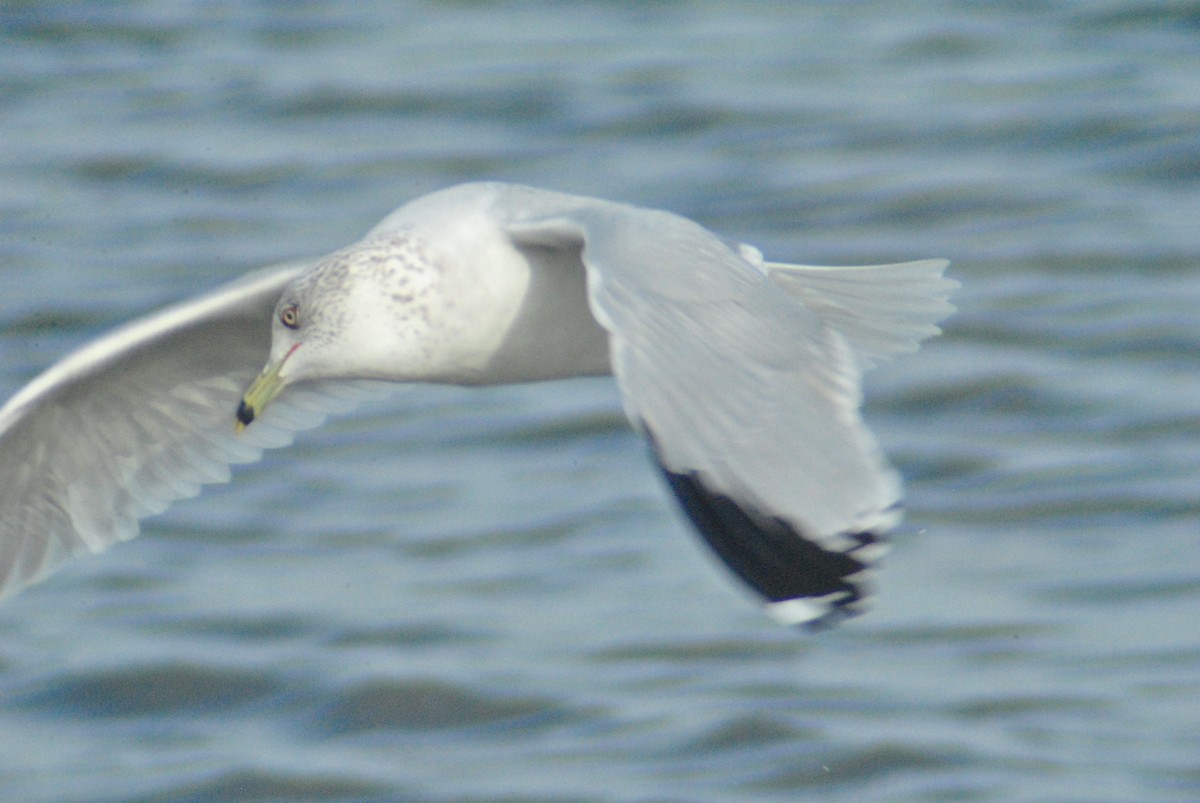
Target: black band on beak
[{"x": 245, "y": 413}]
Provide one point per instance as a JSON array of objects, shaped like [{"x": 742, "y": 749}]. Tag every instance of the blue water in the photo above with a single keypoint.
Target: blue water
[{"x": 486, "y": 595}]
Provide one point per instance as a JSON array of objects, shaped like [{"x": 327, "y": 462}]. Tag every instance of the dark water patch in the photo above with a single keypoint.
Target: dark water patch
[
  {"x": 855, "y": 768},
  {"x": 1183, "y": 781},
  {"x": 532, "y": 535},
  {"x": 236, "y": 536},
  {"x": 304, "y": 30},
  {"x": 984, "y": 645},
  {"x": 1122, "y": 591},
  {"x": 1095, "y": 133},
  {"x": 1182, "y": 658},
  {"x": 748, "y": 733},
  {"x": 1183, "y": 17},
  {"x": 549, "y": 533},
  {"x": 813, "y": 697},
  {"x": 718, "y": 650},
  {"x": 1029, "y": 706},
  {"x": 405, "y": 635},
  {"x": 499, "y": 101},
  {"x": 946, "y": 205},
  {"x": 1015, "y": 396},
  {"x": 943, "y": 45},
  {"x": 1078, "y": 495},
  {"x": 958, "y": 635},
  {"x": 924, "y": 467},
  {"x": 112, "y": 171},
  {"x": 240, "y": 628},
  {"x": 1051, "y": 317},
  {"x": 570, "y": 798},
  {"x": 157, "y": 691},
  {"x": 339, "y": 102},
  {"x": 1172, "y": 163},
  {"x": 40, "y": 24},
  {"x": 430, "y": 705},
  {"x": 1087, "y": 264},
  {"x": 128, "y": 582},
  {"x": 57, "y": 321},
  {"x": 1161, "y": 341},
  {"x": 550, "y": 430},
  {"x": 1170, "y": 692},
  {"x": 660, "y": 118},
  {"x": 258, "y": 785}
]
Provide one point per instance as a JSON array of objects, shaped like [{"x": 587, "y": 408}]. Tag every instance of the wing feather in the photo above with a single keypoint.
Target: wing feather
[
  {"x": 136, "y": 419},
  {"x": 882, "y": 310},
  {"x": 750, "y": 396}
]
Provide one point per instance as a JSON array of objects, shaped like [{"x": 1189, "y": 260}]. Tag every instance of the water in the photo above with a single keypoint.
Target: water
[{"x": 486, "y": 595}]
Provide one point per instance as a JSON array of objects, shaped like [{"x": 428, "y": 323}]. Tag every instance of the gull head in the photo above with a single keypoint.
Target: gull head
[{"x": 365, "y": 312}]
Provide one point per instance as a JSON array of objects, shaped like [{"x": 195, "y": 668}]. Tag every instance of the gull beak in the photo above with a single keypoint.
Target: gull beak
[{"x": 261, "y": 392}]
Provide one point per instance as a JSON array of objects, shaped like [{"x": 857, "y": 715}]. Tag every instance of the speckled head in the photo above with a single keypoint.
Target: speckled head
[
  {"x": 360, "y": 312},
  {"x": 364, "y": 312}
]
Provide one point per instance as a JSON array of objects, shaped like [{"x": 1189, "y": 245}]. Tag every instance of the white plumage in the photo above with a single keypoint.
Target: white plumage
[{"x": 743, "y": 374}]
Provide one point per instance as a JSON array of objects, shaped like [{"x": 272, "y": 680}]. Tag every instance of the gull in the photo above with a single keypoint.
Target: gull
[{"x": 743, "y": 376}]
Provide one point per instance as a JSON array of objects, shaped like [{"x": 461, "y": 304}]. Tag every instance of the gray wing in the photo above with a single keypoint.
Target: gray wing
[
  {"x": 134, "y": 420},
  {"x": 745, "y": 378}
]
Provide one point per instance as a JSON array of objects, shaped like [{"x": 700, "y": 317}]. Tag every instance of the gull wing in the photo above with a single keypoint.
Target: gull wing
[
  {"x": 745, "y": 378},
  {"x": 134, "y": 420}
]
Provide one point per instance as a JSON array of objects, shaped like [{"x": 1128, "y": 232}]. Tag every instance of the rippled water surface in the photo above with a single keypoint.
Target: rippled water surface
[{"x": 485, "y": 594}]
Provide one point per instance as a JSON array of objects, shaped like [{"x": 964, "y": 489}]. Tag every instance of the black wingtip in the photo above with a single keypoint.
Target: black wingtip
[{"x": 804, "y": 583}]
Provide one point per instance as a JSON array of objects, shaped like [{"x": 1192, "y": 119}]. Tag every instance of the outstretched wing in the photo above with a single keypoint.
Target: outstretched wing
[
  {"x": 134, "y": 420},
  {"x": 745, "y": 377}
]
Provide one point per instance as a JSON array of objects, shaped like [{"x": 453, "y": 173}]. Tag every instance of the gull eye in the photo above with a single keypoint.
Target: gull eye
[{"x": 289, "y": 316}]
